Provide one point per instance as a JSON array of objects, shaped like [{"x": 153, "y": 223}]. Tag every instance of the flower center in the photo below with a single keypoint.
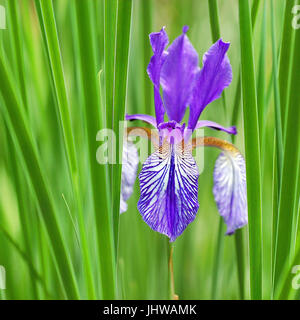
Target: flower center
[{"x": 172, "y": 131}]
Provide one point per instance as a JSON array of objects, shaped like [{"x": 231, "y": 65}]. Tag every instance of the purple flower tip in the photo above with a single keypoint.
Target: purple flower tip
[
  {"x": 223, "y": 44},
  {"x": 185, "y": 29}
]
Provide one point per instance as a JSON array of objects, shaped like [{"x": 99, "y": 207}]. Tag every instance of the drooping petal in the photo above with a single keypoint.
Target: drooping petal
[
  {"x": 229, "y": 182},
  {"x": 130, "y": 161},
  {"x": 214, "y": 77},
  {"x": 178, "y": 76},
  {"x": 143, "y": 117},
  {"x": 169, "y": 190},
  {"x": 230, "y": 190},
  {"x": 216, "y": 126},
  {"x": 158, "y": 41}
]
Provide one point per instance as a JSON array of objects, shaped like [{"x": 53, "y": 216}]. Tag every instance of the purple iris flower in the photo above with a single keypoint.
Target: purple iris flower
[{"x": 169, "y": 177}]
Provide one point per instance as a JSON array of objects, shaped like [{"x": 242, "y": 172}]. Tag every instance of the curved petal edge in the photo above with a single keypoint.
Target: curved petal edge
[
  {"x": 215, "y": 126},
  {"x": 230, "y": 190},
  {"x": 143, "y": 117}
]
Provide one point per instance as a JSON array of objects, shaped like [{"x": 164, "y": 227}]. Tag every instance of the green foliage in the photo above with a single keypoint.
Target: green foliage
[{"x": 61, "y": 235}]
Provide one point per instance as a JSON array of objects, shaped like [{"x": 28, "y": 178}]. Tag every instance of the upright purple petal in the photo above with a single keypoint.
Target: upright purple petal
[
  {"x": 178, "y": 76},
  {"x": 143, "y": 117},
  {"x": 230, "y": 190},
  {"x": 130, "y": 162},
  {"x": 214, "y": 77},
  {"x": 158, "y": 41},
  {"x": 216, "y": 126},
  {"x": 169, "y": 190}
]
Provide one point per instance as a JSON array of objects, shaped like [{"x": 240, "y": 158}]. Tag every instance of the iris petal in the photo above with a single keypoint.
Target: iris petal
[
  {"x": 143, "y": 117},
  {"x": 178, "y": 76},
  {"x": 169, "y": 190},
  {"x": 130, "y": 161},
  {"x": 214, "y": 77},
  {"x": 158, "y": 41},
  {"x": 230, "y": 190},
  {"x": 216, "y": 126}
]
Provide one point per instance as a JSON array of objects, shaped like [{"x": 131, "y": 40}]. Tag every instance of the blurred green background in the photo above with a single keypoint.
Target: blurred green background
[{"x": 206, "y": 262}]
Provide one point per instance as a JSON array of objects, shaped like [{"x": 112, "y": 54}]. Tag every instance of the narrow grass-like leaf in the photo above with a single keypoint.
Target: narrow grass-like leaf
[
  {"x": 146, "y": 29},
  {"x": 218, "y": 258},
  {"x": 16, "y": 32},
  {"x": 239, "y": 239},
  {"x": 285, "y": 59},
  {"x": 252, "y": 150},
  {"x": 20, "y": 129},
  {"x": 275, "y": 200},
  {"x": 55, "y": 59},
  {"x": 110, "y": 19},
  {"x": 214, "y": 19},
  {"x": 110, "y": 12},
  {"x": 215, "y": 33},
  {"x": 288, "y": 188},
  {"x": 121, "y": 70},
  {"x": 254, "y": 10},
  {"x": 240, "y": 256},
  {"x": 90, "y": 85},
  {"x": 261, "y": 81},
  {"x": 237, "y": 97},
  {"x": 46, "y": 9},
  {"x": 279, "y": 145}
]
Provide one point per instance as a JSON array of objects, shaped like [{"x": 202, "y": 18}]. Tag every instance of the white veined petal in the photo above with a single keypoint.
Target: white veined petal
[
  {"x": 169, "y": 190},
  {"x": 130, "y": 162},
  {"x": 230, "y": 190}
]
